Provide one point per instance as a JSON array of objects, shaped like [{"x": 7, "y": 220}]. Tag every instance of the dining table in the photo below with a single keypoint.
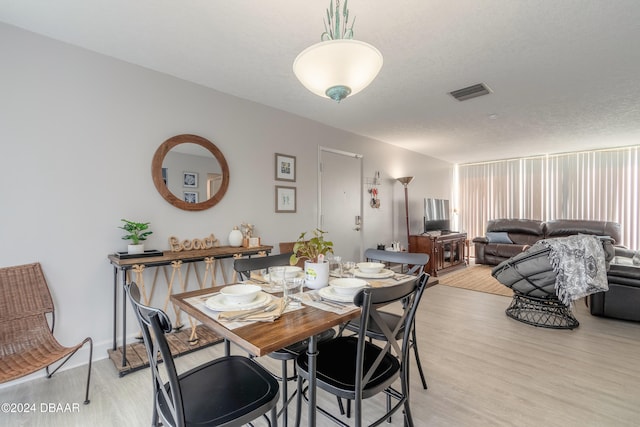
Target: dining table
[{"x": 296, "y": 323}]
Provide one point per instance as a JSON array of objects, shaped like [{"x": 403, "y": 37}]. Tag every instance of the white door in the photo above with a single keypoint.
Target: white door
[{"x": 340, "y": 201}]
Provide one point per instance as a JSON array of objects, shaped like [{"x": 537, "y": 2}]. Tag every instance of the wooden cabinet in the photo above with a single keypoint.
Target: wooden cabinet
[{"x": 446, "y": 251}]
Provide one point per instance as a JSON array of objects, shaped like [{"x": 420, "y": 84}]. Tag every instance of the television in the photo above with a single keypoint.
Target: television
[{"x": 436, "y": 215}]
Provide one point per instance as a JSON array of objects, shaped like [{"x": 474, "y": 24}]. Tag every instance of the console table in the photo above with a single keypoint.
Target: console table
[
  {"x": 175, "y": 259},
  {"x": 446, "y": 251}
]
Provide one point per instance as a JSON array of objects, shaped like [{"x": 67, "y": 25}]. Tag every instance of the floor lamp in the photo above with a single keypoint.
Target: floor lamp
[{"x": 405, "y": 180}]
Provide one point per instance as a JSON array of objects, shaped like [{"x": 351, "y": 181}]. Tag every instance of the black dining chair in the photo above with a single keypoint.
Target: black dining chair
[
  {"x": 415, "y": 263},
  {"x": 354, "y": 368},
  {"x": 227, "y": 391},
  {"x": 244, "y": 267}
]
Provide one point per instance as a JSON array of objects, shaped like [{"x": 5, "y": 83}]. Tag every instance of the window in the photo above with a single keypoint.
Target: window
[{"x": 598, "y": 185}]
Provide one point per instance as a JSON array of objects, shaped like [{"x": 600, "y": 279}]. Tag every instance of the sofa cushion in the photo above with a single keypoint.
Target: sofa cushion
[
  {"x": 517, "y": 226},
  {"x": 570, "y": 227},
  {"x": 529, "y": 273},
  {"x": 504, "y": 250},
  {"x": 622, "y": 267},
  {"x": 498, "y": 237}
]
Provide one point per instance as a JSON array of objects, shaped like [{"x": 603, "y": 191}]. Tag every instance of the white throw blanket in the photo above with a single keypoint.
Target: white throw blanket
[{"x": 579, "y": 263}]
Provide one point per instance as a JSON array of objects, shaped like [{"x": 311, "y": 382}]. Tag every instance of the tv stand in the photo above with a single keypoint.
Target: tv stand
[{"x": 447, "y": 252}]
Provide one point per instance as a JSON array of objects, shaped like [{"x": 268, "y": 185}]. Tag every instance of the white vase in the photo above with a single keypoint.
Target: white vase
[
  {"x": 235, "y": 237},
  {"x": 136, "y": 249},
  {"x": 316, "y": 275}
]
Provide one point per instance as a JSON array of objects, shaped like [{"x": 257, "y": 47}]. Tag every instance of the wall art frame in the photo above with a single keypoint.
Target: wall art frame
[
  {"x": 286, "y": 199},
  {"x": 285, "y": 167}
]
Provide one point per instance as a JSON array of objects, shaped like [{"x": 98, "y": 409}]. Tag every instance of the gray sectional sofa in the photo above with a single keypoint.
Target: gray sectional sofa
[{"x": 506, "y": 238}]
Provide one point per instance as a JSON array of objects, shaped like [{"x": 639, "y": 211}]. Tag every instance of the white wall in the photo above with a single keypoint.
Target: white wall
[{"x": 78, "y": 131}]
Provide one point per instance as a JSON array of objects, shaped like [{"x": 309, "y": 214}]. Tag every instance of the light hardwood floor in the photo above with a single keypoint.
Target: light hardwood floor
[{"x": 483, "y": 369}]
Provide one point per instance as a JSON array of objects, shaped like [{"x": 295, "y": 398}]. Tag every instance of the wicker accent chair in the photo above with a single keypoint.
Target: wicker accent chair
[
  {"x": 533, "y": 280},
  {"x": 27, "y": 344}
]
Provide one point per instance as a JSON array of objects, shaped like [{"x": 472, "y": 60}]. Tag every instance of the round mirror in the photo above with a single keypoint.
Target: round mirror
[{"x": 190, "y": 172}]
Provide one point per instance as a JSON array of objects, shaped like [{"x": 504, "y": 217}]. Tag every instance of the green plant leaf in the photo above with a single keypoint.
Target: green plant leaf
[{"x": 136, "y": 231}]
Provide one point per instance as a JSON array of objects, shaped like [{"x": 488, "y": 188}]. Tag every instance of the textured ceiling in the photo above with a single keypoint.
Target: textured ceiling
[{"x": 565, "y": 75}]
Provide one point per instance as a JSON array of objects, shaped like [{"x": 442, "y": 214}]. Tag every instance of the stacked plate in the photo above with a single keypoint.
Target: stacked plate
[
  {"x": 382, "y": 274},
  {"x": 372, "y": 270},
  {"x": 238, "y": 297},
  {"x": 343, "y": 289}
]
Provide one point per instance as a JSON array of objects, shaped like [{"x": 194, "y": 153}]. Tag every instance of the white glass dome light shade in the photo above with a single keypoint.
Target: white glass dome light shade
[{"x": 347, "y": 63}]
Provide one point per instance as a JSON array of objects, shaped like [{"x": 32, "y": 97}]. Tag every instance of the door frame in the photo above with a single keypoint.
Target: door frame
[{"x": 361, "y": 186}]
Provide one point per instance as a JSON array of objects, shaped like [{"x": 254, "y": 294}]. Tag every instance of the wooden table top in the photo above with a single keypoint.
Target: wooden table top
[
  {"x": 261, "y": 338},
  {"x": 195, "y": 255}
]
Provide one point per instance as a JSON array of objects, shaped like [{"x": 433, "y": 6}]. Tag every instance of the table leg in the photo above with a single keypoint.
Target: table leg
[
  {"x": 312, "y": 354},
  {"x": 124, "y": 319},
  {"x": 115, "y": 307}
]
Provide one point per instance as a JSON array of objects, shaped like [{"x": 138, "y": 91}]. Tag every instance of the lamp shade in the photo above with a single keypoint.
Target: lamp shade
[
  {"x": 405, "y": 180},
  {"x": 337, "y": 68}
]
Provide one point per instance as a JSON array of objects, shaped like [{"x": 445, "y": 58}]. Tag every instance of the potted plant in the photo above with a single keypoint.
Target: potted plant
[
  {"x": 137, "y": 232},
  {"x": 314, "y": 250}
]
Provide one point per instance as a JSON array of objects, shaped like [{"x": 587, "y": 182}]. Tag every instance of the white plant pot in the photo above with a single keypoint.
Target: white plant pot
[
  {"x": 136, "y": 249},
  {"x": 316, "y": 275}
]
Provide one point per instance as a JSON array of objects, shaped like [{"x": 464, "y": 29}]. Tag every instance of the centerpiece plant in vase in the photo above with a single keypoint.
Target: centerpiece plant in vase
[
  {"x": 137, "y": 232},
  {"x": 314, "y": 251}
]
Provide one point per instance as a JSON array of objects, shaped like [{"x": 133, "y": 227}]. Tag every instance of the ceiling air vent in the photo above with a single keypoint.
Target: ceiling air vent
[{"x": 470, "y": 92}]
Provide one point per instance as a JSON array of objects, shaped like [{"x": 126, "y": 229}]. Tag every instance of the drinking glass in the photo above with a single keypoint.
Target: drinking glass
[
  {"x": 293, "y": 291},
  {"x": 348, "y": 268},
  {"x": 335, "y": 265},
  {"x": 276, "y": 278}
]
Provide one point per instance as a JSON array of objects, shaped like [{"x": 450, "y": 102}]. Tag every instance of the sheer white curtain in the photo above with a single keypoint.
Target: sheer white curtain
[{"x": 598, "y": 185}]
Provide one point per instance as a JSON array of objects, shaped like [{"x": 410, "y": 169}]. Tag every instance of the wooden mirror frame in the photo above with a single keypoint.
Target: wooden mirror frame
[{"x": 156, "y": 171}]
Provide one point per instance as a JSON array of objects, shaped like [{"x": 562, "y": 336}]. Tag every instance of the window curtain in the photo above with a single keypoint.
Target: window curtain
[{"x": 596, "y": 185}]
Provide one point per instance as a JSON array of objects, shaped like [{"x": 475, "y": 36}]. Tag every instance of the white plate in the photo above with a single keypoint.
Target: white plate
[
  {"x": 385, "y": 273},
  {"x": 328, "y": 293},
  {"x": 218, "y": 303}
]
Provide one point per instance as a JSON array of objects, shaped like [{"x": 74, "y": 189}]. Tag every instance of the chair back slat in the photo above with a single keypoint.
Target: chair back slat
[
  {"x": 23, "y": 292},
  {"x": 244, "y": 266},
  {"x": 371, "y": 300},
  {"x": 287, "y": 247},
  {"x": 415, "y": 262},
  {"x": 154, "y": 324}
]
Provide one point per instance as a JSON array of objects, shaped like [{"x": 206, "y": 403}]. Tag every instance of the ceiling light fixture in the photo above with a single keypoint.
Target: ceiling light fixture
[{"x": 338, "y": 66}]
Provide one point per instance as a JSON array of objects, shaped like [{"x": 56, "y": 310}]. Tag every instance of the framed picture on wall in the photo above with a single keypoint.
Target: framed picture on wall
[
  {"x": 285, "y": 199},
  {"x": 191, "y": 196},
  {"x": 285, "y": 167},
  {"x": 190, "y": 179}
]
